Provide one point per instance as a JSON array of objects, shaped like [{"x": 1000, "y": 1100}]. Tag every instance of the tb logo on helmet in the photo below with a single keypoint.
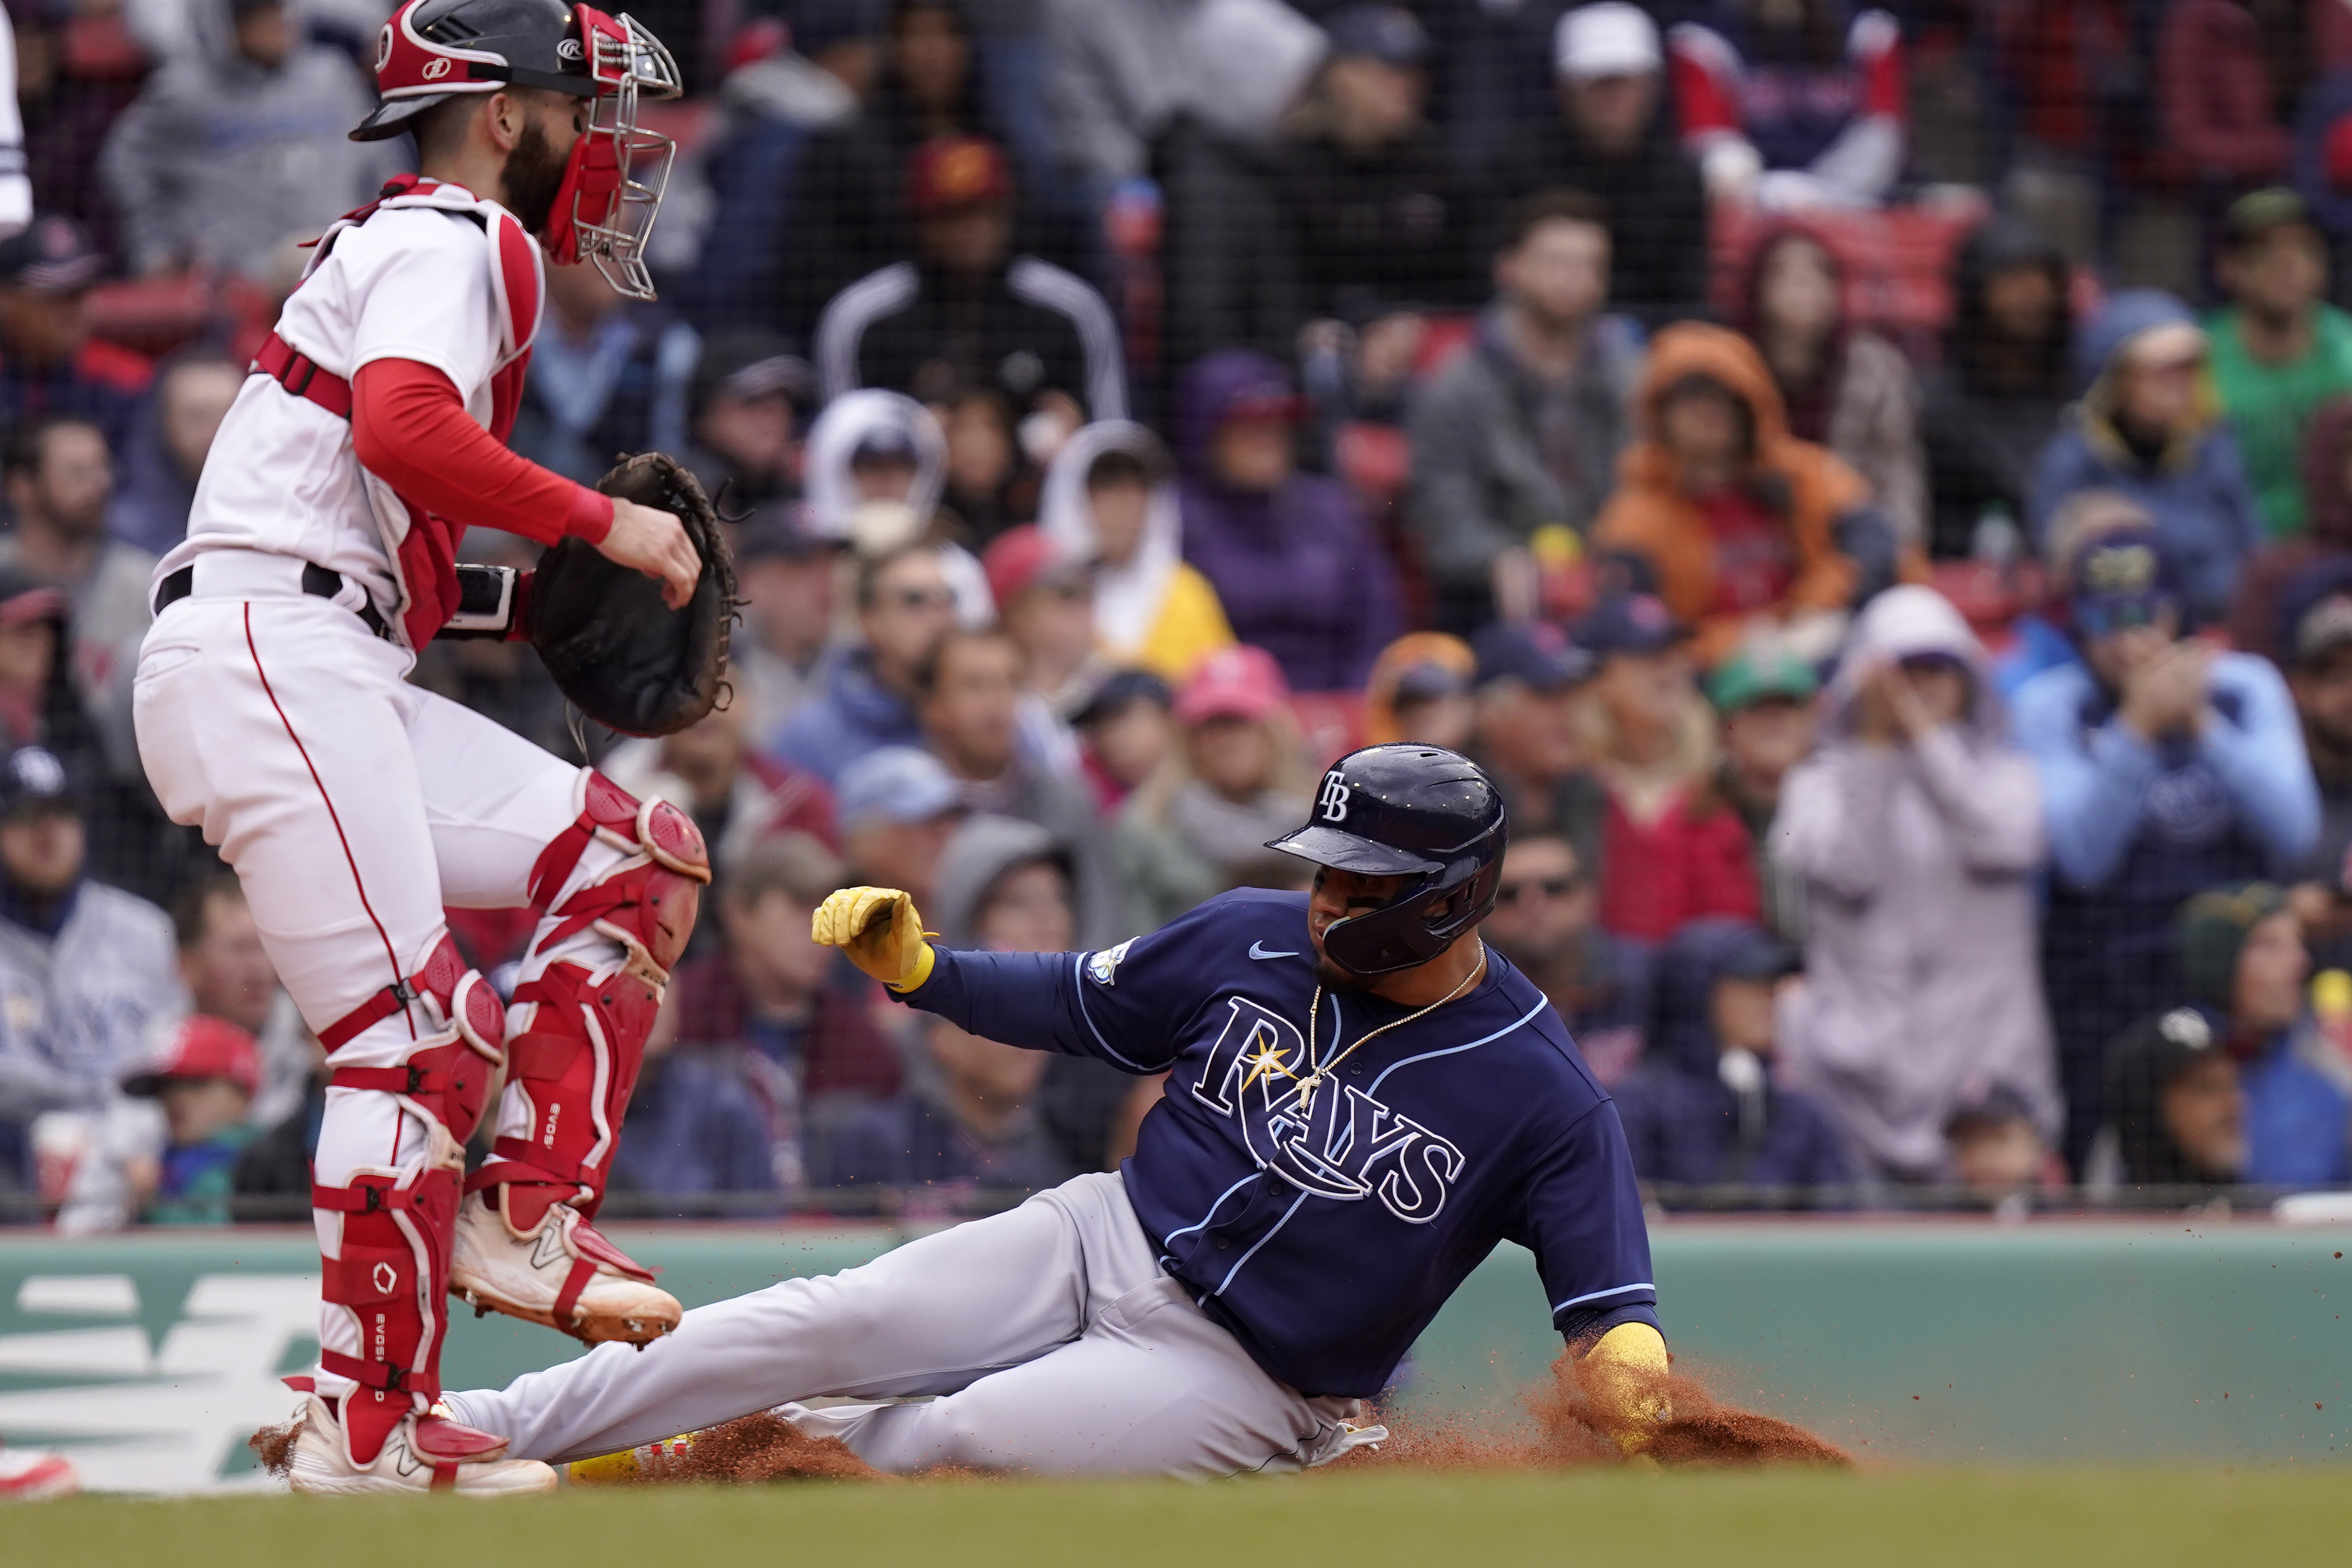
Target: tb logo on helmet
[{"x": 1332, "y": 804}]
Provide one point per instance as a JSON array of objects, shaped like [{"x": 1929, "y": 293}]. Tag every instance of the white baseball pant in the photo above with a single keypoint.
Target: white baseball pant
[
  {"x": 354, "y": 807},
  {"x": 1055, "y": 1343}
]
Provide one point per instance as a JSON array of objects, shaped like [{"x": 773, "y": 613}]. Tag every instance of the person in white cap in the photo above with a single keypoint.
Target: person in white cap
[{"x": 1613, "y": 144}]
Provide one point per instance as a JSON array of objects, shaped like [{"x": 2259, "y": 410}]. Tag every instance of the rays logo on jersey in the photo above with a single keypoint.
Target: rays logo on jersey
[
  {"x": 1103, "y": 967},
  {"x": 1337, "y": 1142}
]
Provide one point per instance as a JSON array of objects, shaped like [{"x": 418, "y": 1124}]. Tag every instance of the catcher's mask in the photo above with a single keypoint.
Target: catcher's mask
[
  {"x": 613, "y": 183},
  {"x": 1413, "y": 811}
]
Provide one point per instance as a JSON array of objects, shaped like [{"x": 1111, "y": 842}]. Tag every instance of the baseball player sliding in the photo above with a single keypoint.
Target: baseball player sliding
[
  {"x": 271, "y": 710},
  {"x": 1361, "y": 1101}
]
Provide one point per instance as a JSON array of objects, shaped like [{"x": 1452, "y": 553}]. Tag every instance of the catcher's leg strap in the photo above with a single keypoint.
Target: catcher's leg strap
[
  {"x": 391, "y": 1273},
  {"x": 446, "y": 1073}
]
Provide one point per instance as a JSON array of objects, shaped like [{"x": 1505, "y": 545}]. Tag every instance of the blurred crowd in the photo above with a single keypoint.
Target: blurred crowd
[{"x": 1874, "y": 486}]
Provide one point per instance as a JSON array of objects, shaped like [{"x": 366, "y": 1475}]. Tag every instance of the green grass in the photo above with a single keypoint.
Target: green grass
[{"x": 2079, "y": 1517}]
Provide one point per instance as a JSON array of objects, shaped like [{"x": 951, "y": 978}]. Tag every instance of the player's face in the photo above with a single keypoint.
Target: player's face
[{"x": 551, "y": 122}]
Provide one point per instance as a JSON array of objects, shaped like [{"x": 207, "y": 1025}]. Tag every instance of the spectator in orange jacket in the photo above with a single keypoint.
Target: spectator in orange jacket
[{"x": 1741, "y": 521}]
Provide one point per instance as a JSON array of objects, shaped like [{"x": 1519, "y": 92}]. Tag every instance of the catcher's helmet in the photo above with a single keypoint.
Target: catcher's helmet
[
  {"x": 1413, "y": 811},
  {"x": 432, "y": 50}
]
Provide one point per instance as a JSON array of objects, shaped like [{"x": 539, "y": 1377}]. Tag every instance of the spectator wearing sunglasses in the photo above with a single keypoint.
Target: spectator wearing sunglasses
[
  {"x": 865, "y": 700},
  {"x": 1544, "y": 923},
  {"x": 2148, "y": 427},
  {"x": 2167, "y": 767},
  {"x": 1918, "y": 830}
]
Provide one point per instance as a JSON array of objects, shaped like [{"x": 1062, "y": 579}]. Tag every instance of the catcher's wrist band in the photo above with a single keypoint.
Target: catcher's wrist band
[{"x": 488, "y": 598}]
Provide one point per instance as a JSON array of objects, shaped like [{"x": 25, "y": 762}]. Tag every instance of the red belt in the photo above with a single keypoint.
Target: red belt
[{"x": 299, "y": 373}]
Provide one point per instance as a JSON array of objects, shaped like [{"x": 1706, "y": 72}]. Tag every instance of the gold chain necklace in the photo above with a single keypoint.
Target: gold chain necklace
[{"x": 1307, "y": 1086}]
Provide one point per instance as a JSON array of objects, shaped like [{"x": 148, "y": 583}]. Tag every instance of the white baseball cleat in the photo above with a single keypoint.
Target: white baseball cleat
[
  {"x": 564, "y": 1275},
  {"x": 27, "y": 1475},
  {"x": 423, "y": 1453}
]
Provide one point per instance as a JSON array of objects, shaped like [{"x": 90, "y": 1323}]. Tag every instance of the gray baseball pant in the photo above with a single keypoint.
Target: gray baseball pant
[{"x": 1053, "y": 1343}]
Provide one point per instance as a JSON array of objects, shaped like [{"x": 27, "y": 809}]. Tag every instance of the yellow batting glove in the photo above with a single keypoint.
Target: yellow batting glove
[
  {"x": 1625, "y": 1375},
  {"x": 880, "y": 930}
]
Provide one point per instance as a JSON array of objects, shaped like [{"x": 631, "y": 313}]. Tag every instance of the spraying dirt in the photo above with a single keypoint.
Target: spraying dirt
[{"x": 1702, "y": 1430}]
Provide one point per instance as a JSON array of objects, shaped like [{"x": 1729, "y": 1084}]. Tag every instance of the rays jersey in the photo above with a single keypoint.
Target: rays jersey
[{"x": 1324, "y": 1219}]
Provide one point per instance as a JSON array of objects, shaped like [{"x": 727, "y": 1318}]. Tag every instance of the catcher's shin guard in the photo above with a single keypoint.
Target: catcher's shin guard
[
  {"x": 579, "y": 1037},
  {"x": 391, "y": 1275},
  {"x": 392, "y": 1269}
]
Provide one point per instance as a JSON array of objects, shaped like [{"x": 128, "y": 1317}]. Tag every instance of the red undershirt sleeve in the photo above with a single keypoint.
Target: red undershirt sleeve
[{"x": 411, "y": 430}]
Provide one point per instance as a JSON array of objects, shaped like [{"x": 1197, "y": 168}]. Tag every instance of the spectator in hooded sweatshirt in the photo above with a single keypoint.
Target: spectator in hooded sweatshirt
[
  {"x": 2147, "y": 428},
  {"x": 1705, "y": 1109},
  {"x": 2166, "y": 768},
  {"x": 2176, "y": 1110},
  {"x": 235, "y": 148},
  {"x": 1748, "y": 528},
  {"x": 1200, "y": 824},
  {"x": 1793, "y": 103},
  {"x": 51, "y": 367},
  {"x": 1996, "y": 399},
  {"x": 1614, "y": 142},
  {"x": 904, "y": 606},
  {"x": 1110, "y": 498},
  {"x": 970, "y": 1122},
  {"x": 746, "y": 406},
  {"x": 2279, "y": 350},
  {"x": 1520, "y": 434},
  {"x": 967, "y": 309},
  {"x": 1845, "y": 387},
  {"x": 1918, "y": 829},
  {"x": 1672, "y": 850},
  {"x": 1300, "y": 571},
  {"x": 2242, "y": 964},
  {"x": 168, "y": 448}
]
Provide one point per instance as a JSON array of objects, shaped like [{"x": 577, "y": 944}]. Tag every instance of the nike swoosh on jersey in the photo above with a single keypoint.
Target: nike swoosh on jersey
[{"x": 1257, "y": 950}]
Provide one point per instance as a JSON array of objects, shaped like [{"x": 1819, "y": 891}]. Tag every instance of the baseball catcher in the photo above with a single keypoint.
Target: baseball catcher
[
  {"x": 1361, "y": 1101},
  {"x": 272, "y": 709}
]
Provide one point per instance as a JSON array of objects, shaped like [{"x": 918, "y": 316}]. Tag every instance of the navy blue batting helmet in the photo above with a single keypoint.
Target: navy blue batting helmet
[{"x": 1406, "y": 810}]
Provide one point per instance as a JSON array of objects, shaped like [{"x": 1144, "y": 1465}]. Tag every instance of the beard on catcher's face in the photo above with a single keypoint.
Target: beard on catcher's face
[{"x": 534, "y": 174}]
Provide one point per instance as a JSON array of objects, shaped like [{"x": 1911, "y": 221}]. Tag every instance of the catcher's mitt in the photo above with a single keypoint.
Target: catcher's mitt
[{"x": 623, "y": 657}]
